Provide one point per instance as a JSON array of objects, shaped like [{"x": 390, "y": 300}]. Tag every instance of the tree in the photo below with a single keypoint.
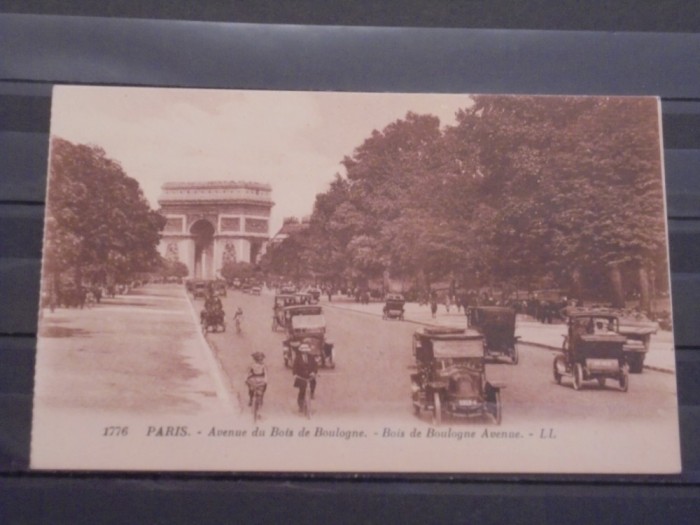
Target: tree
[
  {"x": 237, "y": 270},
  {"x": 98, "y": 220},
  {"x": 522, "y": 191}
]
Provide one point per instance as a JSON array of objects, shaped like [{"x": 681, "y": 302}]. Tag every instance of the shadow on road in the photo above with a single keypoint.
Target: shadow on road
[{"x": 62, "y": 331}]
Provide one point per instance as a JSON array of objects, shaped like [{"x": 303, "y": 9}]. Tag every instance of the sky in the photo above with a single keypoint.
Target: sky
[{"x": 293, "y": 141}]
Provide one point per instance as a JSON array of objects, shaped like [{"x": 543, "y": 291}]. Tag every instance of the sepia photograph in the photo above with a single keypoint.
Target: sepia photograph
[{"x": 333, "y": 282}]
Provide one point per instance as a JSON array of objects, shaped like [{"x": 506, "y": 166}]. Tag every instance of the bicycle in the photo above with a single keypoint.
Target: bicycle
[
  {"x": 306, "y": 401},
  {"x": 258, "y": 391}
]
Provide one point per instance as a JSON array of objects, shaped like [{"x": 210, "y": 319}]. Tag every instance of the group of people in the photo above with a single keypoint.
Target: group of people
[{"x": 304, "y": 369}]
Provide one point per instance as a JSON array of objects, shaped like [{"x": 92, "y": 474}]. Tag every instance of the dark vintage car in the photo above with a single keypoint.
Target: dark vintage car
[
  {"x": 281, "y": 302},
  {"x": 306, "y": 324},
  {"x": 451, "y": 375},
  {"x": 200, "y": 289},
  {"x": 219, "y": 288},
  {"x": 497, "y": 324},
  {"x": 393, "y": 306},
  {"x": 303, "y": 298},
  {"x": 636, "y": 327},
  {"x": 315, "y": 294},
  {"x": 593, "y": 349},
  {"x": 213, "y": 320}
]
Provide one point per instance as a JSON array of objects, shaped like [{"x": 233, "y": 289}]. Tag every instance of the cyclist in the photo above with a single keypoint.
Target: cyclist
[
  {"x": 257, "y": 377},
  {"x": 238, "y": 318},
  {"x": 304, "y": 369}
]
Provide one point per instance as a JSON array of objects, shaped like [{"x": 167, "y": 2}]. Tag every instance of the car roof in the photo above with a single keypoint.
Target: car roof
[
  {"x": 591, "y": 312},
  {"x": 309, "y": 321},
  {"x": 304, "y": 307},
  {"x": 445, "y": 333}
]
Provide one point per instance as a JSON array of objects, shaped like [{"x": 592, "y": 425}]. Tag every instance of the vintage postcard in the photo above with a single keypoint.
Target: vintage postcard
[{"x": 264, "y": 281}]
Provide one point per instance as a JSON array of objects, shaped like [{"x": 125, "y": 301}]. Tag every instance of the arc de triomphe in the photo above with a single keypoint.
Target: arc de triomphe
[{"x": 211, "y": 223}]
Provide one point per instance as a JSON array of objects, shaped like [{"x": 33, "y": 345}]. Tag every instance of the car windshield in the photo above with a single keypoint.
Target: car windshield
[{"x": 458, "y": 348}]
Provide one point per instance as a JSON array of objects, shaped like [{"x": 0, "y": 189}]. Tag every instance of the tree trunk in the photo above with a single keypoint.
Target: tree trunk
[
  {"x": 618, "y": 296},
  {"x": 644, "y": 298},
  {"x": 652, "y": 291},
  {"x": 576, "y": 286}
]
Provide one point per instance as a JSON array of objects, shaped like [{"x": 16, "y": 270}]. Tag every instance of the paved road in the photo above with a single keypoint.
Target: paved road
[{"x": 371, "y": 379}]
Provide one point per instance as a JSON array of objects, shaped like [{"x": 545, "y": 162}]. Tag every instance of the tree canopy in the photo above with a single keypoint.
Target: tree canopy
[
  {"x": 98, "y": 220},
  {"x": 521, "y": 191}
]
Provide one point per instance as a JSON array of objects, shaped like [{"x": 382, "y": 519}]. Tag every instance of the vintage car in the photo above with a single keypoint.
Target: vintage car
[
  {"x": 212, "y": 320},
  {"x": 200, "y": 289},
  {"x": 281, "y": 302},
  {"x": 593, "y": 349},
  {"x": 451, "y": 375},
  {"x": 315, "y": 294},
  {"x": 497, "y": 325},
  {"x": 306, "y": 324},
  {"x": 255, "y": 289},
  {"x": 636, "y": 327},
  {"x": 287, "y": 289},
  {"x": 219, "y": 288},
  {"x": 393, "y": 306},
  {"x": 303, "y": 298}
]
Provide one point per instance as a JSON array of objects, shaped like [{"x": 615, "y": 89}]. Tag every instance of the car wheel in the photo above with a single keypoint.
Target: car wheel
[
  {"x": 514, "y": 355},
  {"x": 558, "y": 360},
  {"x": 437, "y": 409},
  {"x": 601, "y": 382},
  {"x": 578, "y": 376},
  {"x": 497, "y": 408},
  {"x": 636, "y": 363},
  {"x": 624, "y": 379}
]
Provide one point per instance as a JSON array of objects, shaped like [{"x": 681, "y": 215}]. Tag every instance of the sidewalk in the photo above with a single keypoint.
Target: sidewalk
[
  {"x": 140, "y": 352},
  {"x": 660, "y": 357}
]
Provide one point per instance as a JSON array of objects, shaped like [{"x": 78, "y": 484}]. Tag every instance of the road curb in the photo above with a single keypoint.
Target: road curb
[
  {"x": 213, "y": 363},
  {"x": 554, "y": 348},
  {"x": 531, "y": 343}
]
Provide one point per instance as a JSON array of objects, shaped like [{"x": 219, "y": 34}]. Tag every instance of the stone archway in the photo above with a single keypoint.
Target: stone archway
[
  {"x": 203, "y": 236},
  {"x": 255, "y": 250}
]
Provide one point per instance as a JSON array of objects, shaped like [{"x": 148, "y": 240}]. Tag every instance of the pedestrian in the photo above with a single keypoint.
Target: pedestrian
[
  {"x": 448, "y": 303},
  {"x": 433, "y": 307}
]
